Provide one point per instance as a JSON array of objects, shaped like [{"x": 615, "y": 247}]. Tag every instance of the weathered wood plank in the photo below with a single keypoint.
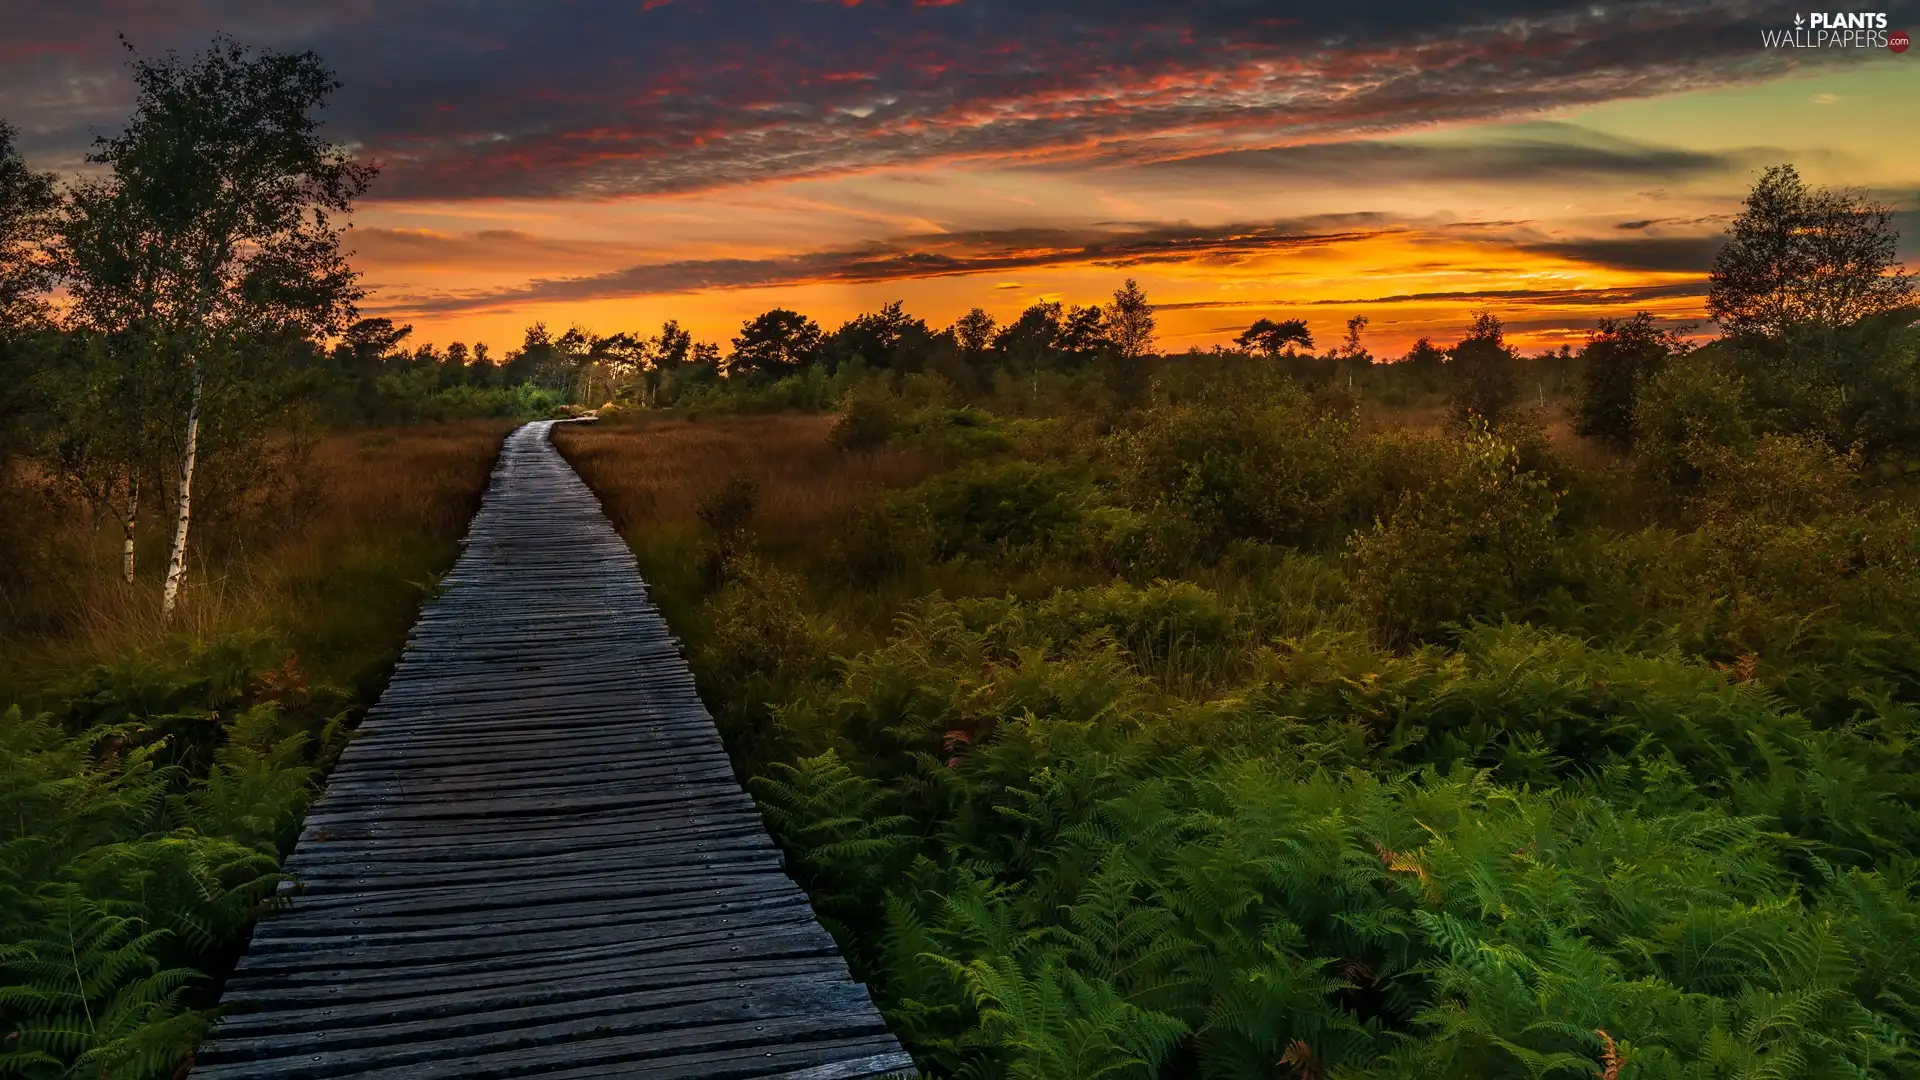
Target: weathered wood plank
[{"x": 535, "y": 860}]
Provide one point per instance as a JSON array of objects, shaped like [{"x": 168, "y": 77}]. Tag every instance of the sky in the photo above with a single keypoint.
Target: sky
[{"x": 613, "y": 165}]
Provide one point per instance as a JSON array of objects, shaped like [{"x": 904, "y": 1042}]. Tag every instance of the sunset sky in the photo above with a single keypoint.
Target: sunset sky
[{"x": 613, "y": 165}]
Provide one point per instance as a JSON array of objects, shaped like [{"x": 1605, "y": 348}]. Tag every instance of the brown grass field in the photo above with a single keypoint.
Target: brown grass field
[
  {"x": 337, "y": 580},
  {"x": 651, "y": 472}
]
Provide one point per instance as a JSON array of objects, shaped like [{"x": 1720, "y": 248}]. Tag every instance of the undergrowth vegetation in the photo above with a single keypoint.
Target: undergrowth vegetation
[
  {"x": 152, "y": 776},
  {"x": 1239, "y": 736}
]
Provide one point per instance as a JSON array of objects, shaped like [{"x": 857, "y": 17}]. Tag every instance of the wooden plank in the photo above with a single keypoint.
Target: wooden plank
[{"x": 534, "y": 859}]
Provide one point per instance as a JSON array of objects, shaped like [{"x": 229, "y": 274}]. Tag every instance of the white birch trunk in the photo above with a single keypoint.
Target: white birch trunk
[
  {"x": 127, "y": 522},
  {"x": 177, "y": 558}
]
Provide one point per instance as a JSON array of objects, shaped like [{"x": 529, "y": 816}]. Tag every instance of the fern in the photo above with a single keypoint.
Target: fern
[
  {"x": 87, "y": 990},
  {"x": 1054, "y": 1024}
]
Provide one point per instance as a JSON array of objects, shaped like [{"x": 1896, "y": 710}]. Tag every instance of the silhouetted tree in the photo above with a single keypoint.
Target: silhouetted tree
[
  {"x": 885, "y": 338},
  {"x": 1481, "y": 371},
  {"x": 625, "y": 354},
  {"x": 673, "y": 346},
  {"x": 1129, "y": 333},
  {"x": 974, "y": 333},
  {"x": 1130, "y": 322},
  {"x": 28, "y": 201},
  {"x": 1273, "y": 339},
  {"x": 537, "y": 360},
  {"x": 482, "y": 371},
  {"x": 1351, "y": 348},
  {"x": 366, "y": 346},
  {"x": 702, "y": 365},
  {"x": 573, "y": 358},
  {"x": 776, "y": 342},
  {"x": 1031, "y": 340},
  {"x": 1620, "y": 355},
  {"x": 1425, "y": 356},
  {"x": 1796, "y": 255},
  {"x": 1083, "y": 333}
]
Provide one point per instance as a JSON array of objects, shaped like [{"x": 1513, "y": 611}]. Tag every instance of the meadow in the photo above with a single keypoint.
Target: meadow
[{"x": 1260, "y": 731}]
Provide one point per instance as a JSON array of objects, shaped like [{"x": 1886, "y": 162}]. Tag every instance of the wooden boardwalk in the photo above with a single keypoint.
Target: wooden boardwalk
[{"x": 534, "y": 860}]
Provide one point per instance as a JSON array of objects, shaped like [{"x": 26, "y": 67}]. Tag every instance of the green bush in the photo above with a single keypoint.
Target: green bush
[
  {"x": 1274, "y": 469},
  {"x": 1691, "y": 406},
  {"x": 1076, "y": 893},
  {"x": 1478, "y": 544},
  {"x": 1011, "y": 509},
  {"x": 1783, "y": 479},
  {"x": 866, "y": 422},
  {"x": 1162, "y": 627},
  {"x": 964, "y": 432}
]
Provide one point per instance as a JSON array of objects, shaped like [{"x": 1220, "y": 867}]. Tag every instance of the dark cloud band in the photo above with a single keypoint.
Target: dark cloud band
[{"x": 602, "y": 99}]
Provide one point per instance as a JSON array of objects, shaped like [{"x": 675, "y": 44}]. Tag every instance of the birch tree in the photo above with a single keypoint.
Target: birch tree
[
  {"x": 99, "y": 441},
  {"x": 213, "y": 239}
]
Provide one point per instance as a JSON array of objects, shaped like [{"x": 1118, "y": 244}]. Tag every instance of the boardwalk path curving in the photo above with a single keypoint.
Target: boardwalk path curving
[{"x": 535, "y": 860}]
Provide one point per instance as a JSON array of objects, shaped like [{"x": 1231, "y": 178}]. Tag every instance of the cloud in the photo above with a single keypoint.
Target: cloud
[
  {"x": 483, "y": 249},
  {"x": 1648, "y": 254},
  {"x": 616, "y": 98},
  {"x": 1525, "y": 297},
  {"x": 1547, "y": 153},
  {"x": 907, "y": 257}
]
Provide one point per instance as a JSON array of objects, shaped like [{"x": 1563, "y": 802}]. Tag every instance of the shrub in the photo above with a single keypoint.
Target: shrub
[
  {"x": 1783, "y": 479},
  {"x": 1014, "y": 509},
  {"x": 1684, "y": 409},
  {"x": 1138, "y": 544},
  {"x": 759, "y": 646},
  {"x": 883, "y": 540},
  {"x": 1477, "y": 544},
  {"x": 866, "y": 423},
  {"x": 759, "y": 625},
  {"x": 140, "y": 843},
  {"x": 1165, "y": 627},
  {"x": 1619, "y": 357},
  {"x": 964, "y": 432},
  {"x": 1274, "y": 469},
  {"x": 1481, "y": 377},
  {"x": 728, "y": 509}
]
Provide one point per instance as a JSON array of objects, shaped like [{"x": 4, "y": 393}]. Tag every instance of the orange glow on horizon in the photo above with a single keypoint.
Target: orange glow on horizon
[{"x": 1416, "y": 232}]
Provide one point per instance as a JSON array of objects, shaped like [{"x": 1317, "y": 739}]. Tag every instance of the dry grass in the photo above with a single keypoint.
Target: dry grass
[
  {"x": 338, "y": 579},
  {"x": 652, "y": 473}
]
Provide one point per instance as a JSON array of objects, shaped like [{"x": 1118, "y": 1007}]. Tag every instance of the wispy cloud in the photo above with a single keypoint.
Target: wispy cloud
[
  {"x": 614, "y": 99},
  {"x": 1639, "y": 294},
  {"x": 907, "y": 257}
]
